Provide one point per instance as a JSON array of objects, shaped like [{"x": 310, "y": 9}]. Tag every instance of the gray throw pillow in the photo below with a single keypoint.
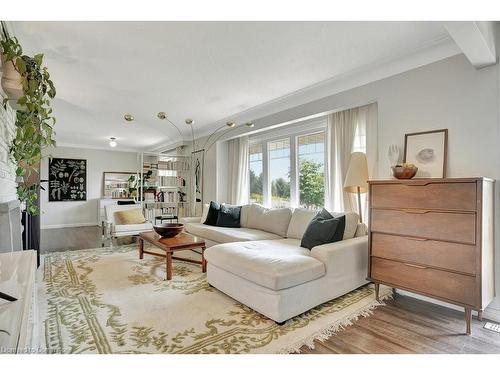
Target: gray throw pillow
[
  {"x": 323, "y": 228},
  {"x": 229, "y": 216}
]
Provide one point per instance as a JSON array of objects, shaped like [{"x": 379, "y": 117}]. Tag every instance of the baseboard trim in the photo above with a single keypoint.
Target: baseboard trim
[
  {"x": 56, "y": 226},
  {"x": 490, "y": 312}
]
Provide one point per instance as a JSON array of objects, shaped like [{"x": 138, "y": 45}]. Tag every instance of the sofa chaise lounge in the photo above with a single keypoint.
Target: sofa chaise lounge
[{"x": 263, "y": 266}]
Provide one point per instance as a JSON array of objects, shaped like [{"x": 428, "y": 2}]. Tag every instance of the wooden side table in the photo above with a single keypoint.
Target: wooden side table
[{"x": 182, "y": 241}]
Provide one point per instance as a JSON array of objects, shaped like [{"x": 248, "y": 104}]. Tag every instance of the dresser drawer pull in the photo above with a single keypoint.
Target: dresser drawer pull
[
  {"x": 416, "y": 239},
  {"x": 416, "y": 211},
  {"x": 415, "y": 266}
]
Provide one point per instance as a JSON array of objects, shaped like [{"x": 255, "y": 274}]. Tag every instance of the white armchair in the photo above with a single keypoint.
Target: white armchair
[{"x": 120, "y": 230}]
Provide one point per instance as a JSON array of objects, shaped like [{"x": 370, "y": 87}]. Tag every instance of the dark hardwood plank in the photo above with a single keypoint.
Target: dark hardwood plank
[
  {"x": 409, "y": 325},
  {"x": 77, "y": 238}
]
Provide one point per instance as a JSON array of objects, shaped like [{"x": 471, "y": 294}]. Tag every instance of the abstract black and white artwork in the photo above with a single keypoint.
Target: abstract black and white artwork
[
  {"x": 67, "y": 180},
  {"x": 428, "y": 152}
]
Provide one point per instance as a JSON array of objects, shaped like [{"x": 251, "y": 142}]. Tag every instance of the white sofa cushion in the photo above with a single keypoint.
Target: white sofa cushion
[
  {"x": 133, "y": 227},
  {"x": 274, "y": 264},
  {"x": 245, "y": 209},
  {"x": 270, "y": 220},
  {"x": 204, "y": 214},
  {"x": 299, "y": 222},
  {"x": 361, "y": 230},
  {"x": 351, "y": 223},
  {"x": 223, "y": 234}
]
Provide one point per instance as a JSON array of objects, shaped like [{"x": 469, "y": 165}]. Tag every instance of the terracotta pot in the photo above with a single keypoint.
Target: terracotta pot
[{"x": 11, "y": 81}]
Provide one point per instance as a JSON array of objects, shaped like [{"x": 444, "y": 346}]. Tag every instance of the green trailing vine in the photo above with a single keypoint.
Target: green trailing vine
[{"x": 34, "y": 121}]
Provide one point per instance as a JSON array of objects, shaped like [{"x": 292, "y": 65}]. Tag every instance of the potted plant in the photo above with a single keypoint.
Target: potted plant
[
  {"x": 34, "y": 121},
  {"x": 11, "y": 80}
]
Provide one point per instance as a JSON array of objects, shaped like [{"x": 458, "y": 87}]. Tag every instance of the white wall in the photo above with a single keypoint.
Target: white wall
[
  {"x": 63, "y": 214},
  {"x": 446, "y": 94},
  {"x": 7, "y": 167}
]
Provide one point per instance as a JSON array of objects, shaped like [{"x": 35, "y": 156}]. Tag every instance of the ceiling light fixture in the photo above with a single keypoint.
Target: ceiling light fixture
[
  {"x": 162, "y": 115},
  {"x": 230, "y": 124},
  {"x": 250, "y": 124},
  {"x": 112, "y": 142},
  {"x": 189, "y": 121},
  {"x": 128, "y": 117}
]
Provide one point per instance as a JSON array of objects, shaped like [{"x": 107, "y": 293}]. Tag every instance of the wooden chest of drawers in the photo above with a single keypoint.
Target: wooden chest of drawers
[{"x": 434, "y": 237}]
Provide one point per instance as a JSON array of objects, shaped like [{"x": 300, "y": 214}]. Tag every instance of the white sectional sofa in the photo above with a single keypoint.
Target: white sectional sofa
[{"x": 263, "y": 266}]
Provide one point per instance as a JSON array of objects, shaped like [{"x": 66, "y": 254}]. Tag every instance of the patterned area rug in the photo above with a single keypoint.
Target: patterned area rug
[{"x": 106, "y": 300}]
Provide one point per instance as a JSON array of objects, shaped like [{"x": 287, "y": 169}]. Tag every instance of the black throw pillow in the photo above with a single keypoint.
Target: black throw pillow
[
  {"x": 124, "y": 203},
  {"x": 229, "y": 216},
  {"x": 339, "y": 233},
  {"x": 213, "y": 213},
  {"x": 322, "y": 229}
]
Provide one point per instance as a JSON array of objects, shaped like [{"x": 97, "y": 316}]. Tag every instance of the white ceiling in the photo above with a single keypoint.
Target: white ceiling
[{"x": 209, "y": 71}]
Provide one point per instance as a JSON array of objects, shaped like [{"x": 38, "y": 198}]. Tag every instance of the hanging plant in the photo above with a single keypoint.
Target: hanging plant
[{"x": 34, "y": 121}]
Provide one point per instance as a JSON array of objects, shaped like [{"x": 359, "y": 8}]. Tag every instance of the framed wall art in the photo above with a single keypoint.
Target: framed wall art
[
  {"x": 67, "y": 180},
  {"x": 428, "y": 151}
]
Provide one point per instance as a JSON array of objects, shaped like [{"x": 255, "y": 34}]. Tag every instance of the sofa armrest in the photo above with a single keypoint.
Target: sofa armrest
[
  {"x": 343, "y": 254},
  {"x": 185, "y": 220}
]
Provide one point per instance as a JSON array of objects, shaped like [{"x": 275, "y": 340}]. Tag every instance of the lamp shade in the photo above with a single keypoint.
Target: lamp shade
[{"x": 357, "y": 174}]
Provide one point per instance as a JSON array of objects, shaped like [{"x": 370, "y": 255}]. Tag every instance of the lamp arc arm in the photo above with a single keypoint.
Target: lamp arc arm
[
  {"x": 211, "y": 135},
  {"x": 218, "y": 137}
]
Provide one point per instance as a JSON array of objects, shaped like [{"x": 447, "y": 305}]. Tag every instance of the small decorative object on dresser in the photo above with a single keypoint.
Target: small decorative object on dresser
[
  {"x": 404, "y": 171},
  {"x": 434, "y": 237},
  {"x": 428, "y": 152}
]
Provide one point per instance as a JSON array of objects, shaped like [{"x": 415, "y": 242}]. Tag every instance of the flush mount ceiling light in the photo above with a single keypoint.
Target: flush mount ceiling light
[
  {"x": 128, "y": 117},
  {"x": 162, "y": 115},
  {"x": 189, "y": 121},
  {"x": 112, "y": 142},
  {"x": 230, "y": 124},
  {"x": 250, "y": 124}
]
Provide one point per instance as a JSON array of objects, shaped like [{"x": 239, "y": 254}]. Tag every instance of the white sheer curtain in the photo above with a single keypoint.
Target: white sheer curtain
[
  {"x": 348, "y": 131},
  {"x": 238, "y": 174}
]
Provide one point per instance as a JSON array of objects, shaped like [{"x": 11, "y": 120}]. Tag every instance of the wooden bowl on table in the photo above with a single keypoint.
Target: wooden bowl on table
[
  {"x": 404, "y": 172},
  {"x": 168, "y": 230}
]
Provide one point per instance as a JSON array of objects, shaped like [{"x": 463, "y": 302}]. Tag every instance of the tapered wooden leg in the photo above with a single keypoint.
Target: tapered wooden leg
[
  {"x": 141, "y": 248},
  {"x": 468, "y": 319},
  {"x": 377, "y": 289},
  {"x": 169, "y": 265},
  {"x": 480, "y": 315},
  {"x": 203, "y": 260}
]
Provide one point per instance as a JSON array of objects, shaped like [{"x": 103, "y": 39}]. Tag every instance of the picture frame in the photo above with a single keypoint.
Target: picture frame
[
  {"x": 67, "y": 180},
  {"x": 428, "y": 151}
]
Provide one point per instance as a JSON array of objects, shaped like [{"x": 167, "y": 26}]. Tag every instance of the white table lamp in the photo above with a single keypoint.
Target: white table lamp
[{"x": 356, "y": 179}]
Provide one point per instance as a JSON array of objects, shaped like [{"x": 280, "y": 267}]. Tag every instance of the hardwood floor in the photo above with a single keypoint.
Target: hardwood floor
[
  {"x": 77, "y": 238},
  {"x": 405, "y": 325},
  {"x": 408, "y": 325}
]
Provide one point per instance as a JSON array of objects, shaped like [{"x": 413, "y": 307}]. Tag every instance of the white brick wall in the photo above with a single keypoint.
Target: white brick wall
[{"x": 7, "y": 168}]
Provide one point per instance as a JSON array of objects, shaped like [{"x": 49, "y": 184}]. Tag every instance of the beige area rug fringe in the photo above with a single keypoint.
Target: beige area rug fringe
[{"x": 338, "y": 326}]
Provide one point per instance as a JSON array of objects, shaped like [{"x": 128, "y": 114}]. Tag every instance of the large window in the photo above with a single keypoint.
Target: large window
[
  {"x": 289, "y": 170},
  {"x": 256, "y": 165},
  {"x": 311, "y": 161},
  {"x": 279, "y": 172}
]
